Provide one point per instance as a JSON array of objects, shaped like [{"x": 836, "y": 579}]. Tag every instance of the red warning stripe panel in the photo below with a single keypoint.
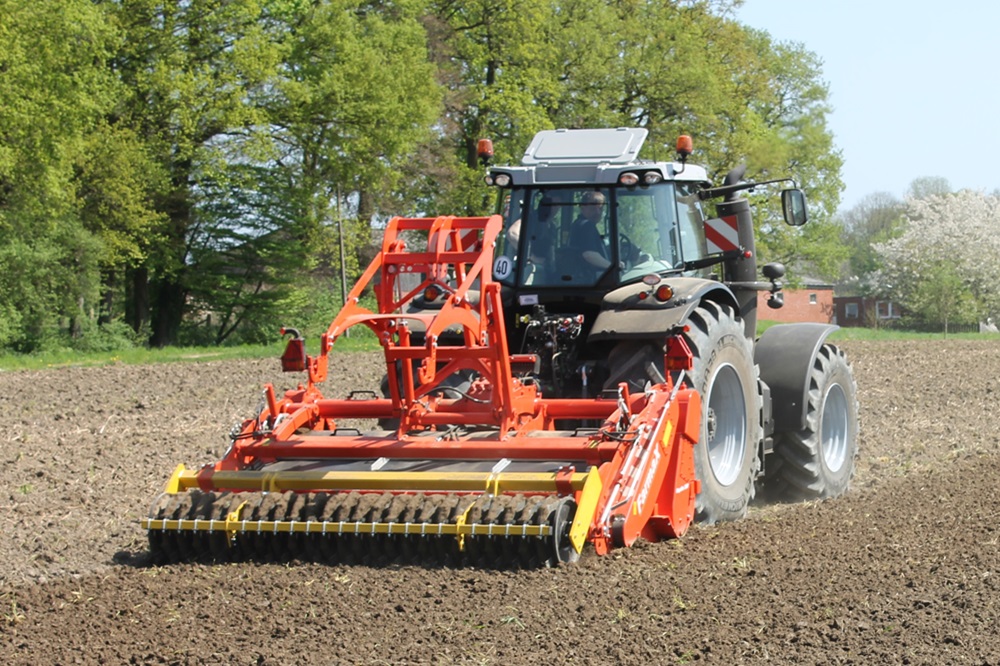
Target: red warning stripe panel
[{"x": 722, "y": 234}]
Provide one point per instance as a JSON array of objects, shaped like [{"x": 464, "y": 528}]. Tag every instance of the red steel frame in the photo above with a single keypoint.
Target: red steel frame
[{"x": 643, "y": 452}]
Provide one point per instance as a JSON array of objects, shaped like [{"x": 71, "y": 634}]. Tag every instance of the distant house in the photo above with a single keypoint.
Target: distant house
[
  {"x": 864, "y": 311},
  {"x": 813, "y": 301}
]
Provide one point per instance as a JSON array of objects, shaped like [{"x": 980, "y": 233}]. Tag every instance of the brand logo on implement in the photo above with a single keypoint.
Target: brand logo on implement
[
  {"x": 647, "y": 483},
  {"x": 722, "y": 234}
]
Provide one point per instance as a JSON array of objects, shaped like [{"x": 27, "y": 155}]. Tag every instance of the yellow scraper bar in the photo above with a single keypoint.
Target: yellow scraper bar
[
  {"x": 508, "y": 482},
  {"x": 585, "y": 509}
]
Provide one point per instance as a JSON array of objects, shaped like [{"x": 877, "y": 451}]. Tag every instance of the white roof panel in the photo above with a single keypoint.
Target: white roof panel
[{"x": 585, "y": 146}]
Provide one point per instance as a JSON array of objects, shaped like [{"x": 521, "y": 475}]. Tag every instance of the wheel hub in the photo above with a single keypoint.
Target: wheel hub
[
  {"x": 835, "y": 429},
  {"x": 727, "y": 425}
]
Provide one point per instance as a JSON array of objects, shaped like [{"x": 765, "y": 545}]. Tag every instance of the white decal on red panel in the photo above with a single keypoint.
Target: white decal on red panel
[
  {"x": 647, "y": 483},
  {"x": 722, "y": 234}
]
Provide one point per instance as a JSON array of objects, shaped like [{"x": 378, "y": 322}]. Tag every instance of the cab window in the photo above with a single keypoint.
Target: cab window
[{"x": 691, "y": 222}]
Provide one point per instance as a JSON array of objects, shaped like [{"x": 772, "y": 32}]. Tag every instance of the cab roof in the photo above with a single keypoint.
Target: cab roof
[{"x": 591, "y": 156}]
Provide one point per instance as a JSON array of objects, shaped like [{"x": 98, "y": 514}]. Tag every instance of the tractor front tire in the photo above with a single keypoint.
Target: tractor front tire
[
  {"x": 727, "y": 457},
  {"x": 817, "y": 462}
]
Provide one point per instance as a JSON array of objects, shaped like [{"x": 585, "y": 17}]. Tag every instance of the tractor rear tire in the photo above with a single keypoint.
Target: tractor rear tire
[
  {"x": 637, "y": 363},
  {"x": 817, "y": 462},
  {"x": 727, "y": 459}
]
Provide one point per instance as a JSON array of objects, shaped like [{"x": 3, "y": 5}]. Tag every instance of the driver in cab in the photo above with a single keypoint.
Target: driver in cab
[{"x": 586, "y": 237}]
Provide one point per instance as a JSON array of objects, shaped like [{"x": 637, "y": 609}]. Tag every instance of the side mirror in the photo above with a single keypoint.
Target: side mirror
[
  {"x": 793, "y": 205},
  {"x": 774, "y": 271}
]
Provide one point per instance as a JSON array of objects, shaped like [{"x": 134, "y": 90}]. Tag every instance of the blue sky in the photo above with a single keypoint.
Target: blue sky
[{"x": 915, "y": 86}]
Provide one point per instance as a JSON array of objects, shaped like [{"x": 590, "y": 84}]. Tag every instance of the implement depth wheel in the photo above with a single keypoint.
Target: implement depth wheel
[
  {"x": 817, "y": 462},
  {"x": 561, "y": 521}
]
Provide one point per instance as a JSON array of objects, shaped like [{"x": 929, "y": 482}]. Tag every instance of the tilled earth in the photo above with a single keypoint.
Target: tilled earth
[{"x": 904, "y": 569}]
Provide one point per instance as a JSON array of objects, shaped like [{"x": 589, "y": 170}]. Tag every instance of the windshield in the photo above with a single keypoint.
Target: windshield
[{"x": 578, "y": 236}]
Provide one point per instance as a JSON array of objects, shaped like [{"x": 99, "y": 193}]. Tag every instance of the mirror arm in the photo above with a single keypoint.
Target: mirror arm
[{"x": 713, "y": 192}]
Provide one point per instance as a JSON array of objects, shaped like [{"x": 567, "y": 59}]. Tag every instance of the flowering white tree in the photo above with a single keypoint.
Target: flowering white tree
[{"x": 946, "y": 264}]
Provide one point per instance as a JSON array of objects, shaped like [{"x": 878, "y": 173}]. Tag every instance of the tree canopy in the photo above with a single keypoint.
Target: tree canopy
[
  {"x": 943, "y": 266},
  {"x": 189, "y": 168},
  {"x": 877, "y": 218}
]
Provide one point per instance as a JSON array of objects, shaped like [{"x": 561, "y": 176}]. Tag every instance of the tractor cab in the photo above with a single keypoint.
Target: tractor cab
[
  {"x": 579, "y": 237},
  {"x": 581, "y": 212}
]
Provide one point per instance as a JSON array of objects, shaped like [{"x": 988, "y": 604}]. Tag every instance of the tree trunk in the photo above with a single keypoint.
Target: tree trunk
[
  {"x": 109, "y": 281},
  {"x": 137, "y": 298},
  {"x": 169, "y": 291},
  {"x": 75, "y": 322},
  {"x": 366, "y": 205},
  {"x": 169, "y": 298}
]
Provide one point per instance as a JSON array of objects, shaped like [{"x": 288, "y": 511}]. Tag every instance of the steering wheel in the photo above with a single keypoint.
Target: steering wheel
[{"x": 627, "y": 251}]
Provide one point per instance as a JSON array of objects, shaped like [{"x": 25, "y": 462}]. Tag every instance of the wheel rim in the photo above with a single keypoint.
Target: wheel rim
[
  {"x": 835, "y": 429},
  {"x": 728, "y": 425}
]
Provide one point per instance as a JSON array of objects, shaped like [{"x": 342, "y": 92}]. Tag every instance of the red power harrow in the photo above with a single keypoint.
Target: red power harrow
[{"x": 478, "y": 474}]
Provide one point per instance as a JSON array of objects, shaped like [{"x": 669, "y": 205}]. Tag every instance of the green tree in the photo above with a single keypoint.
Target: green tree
[
  {"x": 876, "y": 218},
  {"x": 928, "y": 186},
  {"x": 671, "y": 67},
  {"x": 356, "y": 96},
  {"x": 196, "y": 73},
  {"x": 246, "y": 251},
  {"x": 510, "y": 67},
  {"x": 792, "y": 141},
  {"x": 942, "y": 297},
  {"x": 191, "y": 159},
  {"x": 117, "y": 184},
  {"x": 55, "y": 88},
  {"x": 260, "y": 115}
]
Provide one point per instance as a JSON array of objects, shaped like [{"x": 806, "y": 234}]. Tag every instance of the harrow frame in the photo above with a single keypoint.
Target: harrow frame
[{"x": 631, "y": 477}]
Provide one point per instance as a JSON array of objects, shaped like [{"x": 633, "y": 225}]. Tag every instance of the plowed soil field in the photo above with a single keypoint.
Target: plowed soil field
[{"x": 905, "y": 569}]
